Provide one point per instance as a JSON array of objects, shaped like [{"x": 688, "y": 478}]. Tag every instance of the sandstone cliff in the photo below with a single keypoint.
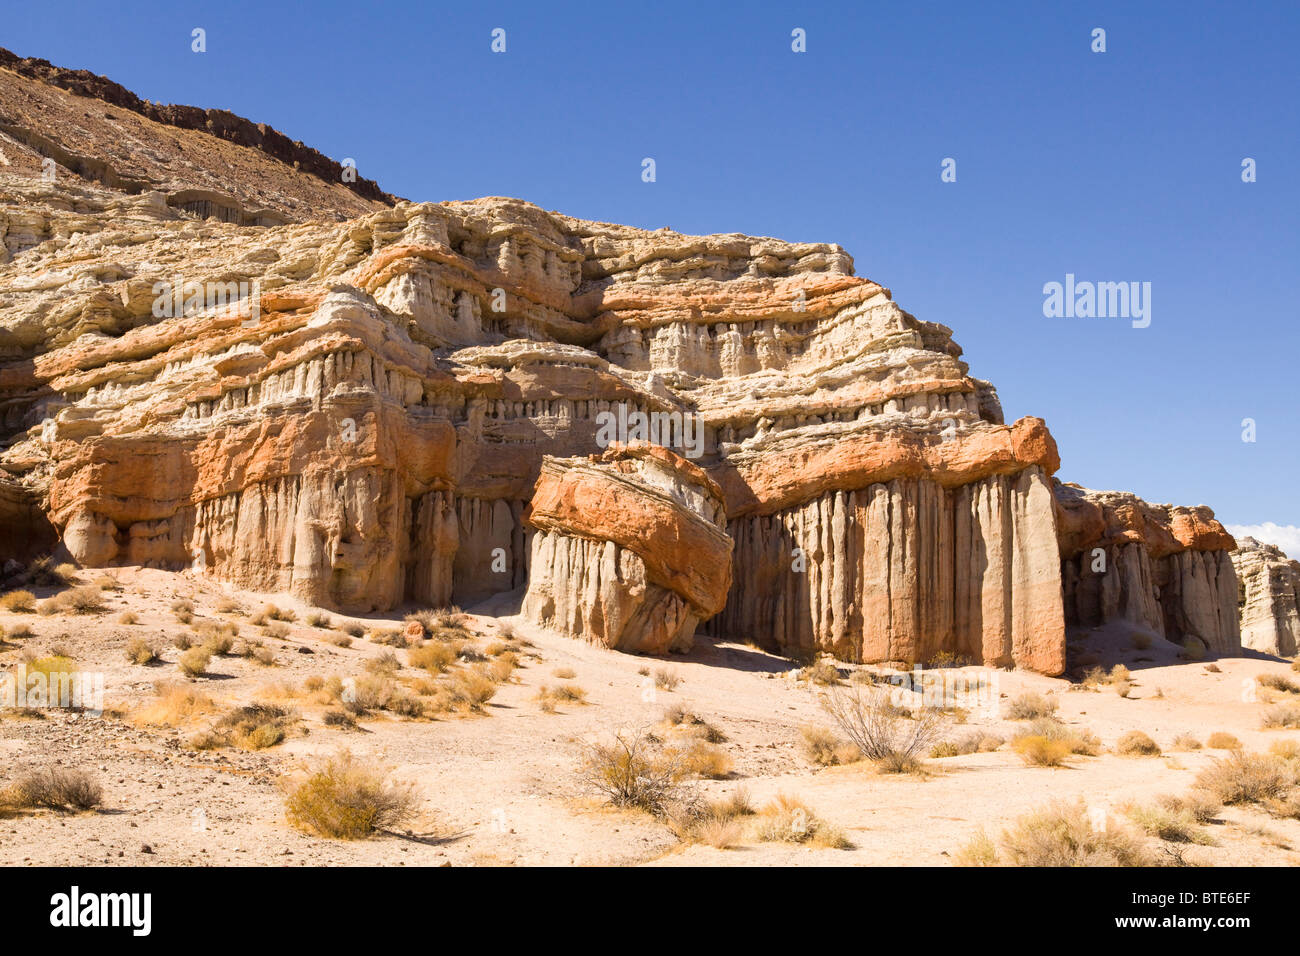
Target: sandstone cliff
[
  {"x": 1269, "y": 598},
  {"x": 405, "y": 406},
  {"x": 1163, "y": 568}
]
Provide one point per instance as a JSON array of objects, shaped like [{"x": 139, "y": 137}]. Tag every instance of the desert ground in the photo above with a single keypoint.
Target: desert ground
[{"x": 500, "y": 782}]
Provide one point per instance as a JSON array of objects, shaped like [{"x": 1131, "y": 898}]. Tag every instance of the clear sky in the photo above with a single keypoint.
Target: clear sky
[{"x": 1117, "y": 166}]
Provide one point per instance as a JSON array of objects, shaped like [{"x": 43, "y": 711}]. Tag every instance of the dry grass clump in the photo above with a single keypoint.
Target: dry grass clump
[
  {"x": 1243, "y": 777},
  {"x": 631, "y": 774},
  {"x": 684, "y": 720},
  {"x": 1277, "y": 682},
  {"x": 55, "y": 788},
  {"x": 257, "y": 726},
  {"x": 218, "y": 637},
  {"x": 825, "y": 748},
  {"x": 386, "y": 664},
  {"x": 1135, "y": 743},
  {"x": 787, "y": 819},
  {"x": 1186, "y": 741},
  {"x": 387, "y": 637},
  {"x": 128, "y": 617},
  {"x": 1281, "y": 716},
  {"x": 1220, "y": 740},
  {"x": 978, "y": 742},
  {"x": 277, "y": 630},
  {"x": 564, "y": 673},
  {"x": 1060, "y": 834},
  {"x": 194, "y": 662},
  {"x": 823, "y": 672},
  {"x": 353, "y": 629},
  {"x": 1030, "y": 706},
  {"x": 434, "y": 658},
  {"x": 1122, "y": 687},
  {"x": 1201, "y": 805},
  {"x": 666, "y": 679},
  {"x": 1173, "y": 825},
  {"x": 346, "y": 798},
  {"x": 83, "y": 600},
  {"x": 21, "y": 602},
  {"x": 883, "y": 734},
  {"x": 704, "y": 759},
  {"x": 140, "y": 651},
  {"x": 473, "y": 687},
  {"x": 340, "y": 640},
  {"x": 1039, "y": 751},
  {"x": 1285, "y": 749},
  {"x": 318, "y": 619},
  {"x": 717, "y": 823},
  {"x": 340, "y": 718},
  {"x": 43, "y": 572},
  {"x": 1078, "y": 741},
  {"x": 19, "y": 632},
  {"x": 183, "y": 610},
  {"x": 174, "y": 705}
]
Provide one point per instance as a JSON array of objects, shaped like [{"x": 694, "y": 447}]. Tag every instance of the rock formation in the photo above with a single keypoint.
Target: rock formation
[
  {"x": 198, "y": 372},
  {"x": 629, "y": 549},
  {"x": 1270, "y": 598},
  {"x": 1162, "y": 568}
]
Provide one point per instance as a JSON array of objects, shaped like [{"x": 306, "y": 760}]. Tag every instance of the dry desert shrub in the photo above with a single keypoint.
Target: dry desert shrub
[
  {"x": 1285, "y": 749},
  {"x": 718, "y": 833},
  {"x": 1280, "y": 717},
  {"x": 473, "y": 687},
  {"x": 386, "y": 664},
  {"x": 318, "y": 619},
  {"x": 1039, "y": 751},
  {"x": 1171, "y": 824},
  {"x": 630, "y": 773},
  {"x": 1060, "y": 834},
  {"x": 264, "y": 656},
  {"x": 704, "y": 759},
  {"x": 277, "y": 630},
  {"x": 44, "y": 572},
  {"x": 346, "y": 798},
  {"x": 825, "y": 748},
  {"x": 564, "y": 673},
  {"x": 1219, "y": 740},
  {"x": 880, "y": 731},
  {"x": 55, "y": 788},
  {"x": 257, "y": 726},
  {"x": 353, "y": 629},
  {"x": 1122, "y": 687},
  {"x": 128, "y": 617},
  {"x": 84, "y": 600},
  {"x": 387, "y": 637},
  {"x": 1135, "y": 743},
  {"x": 20, "y": 632},
  {"x": 340, "y": 640},
  {"x": 823, "y": 672},
  {"x": 195, "y": 661},
  {"x": 434, "y": 658},
  {"x": 978, "y": 742},
  {"x": 21, "y": 602},
  {"x": 684, "y": 720},
  {"x": 140, "y": 651},
  {"x": 174, "y": 705},
  {"x": 1078, "y": 741},
  {"x": 787, "y": 819},
  {"x": 666, "y": 679},
  {"x": 1277, "y": 682},
  {"x": 184, "y": 610},
  {"x": 1186, "y": 741},
  {"x": 1030, "y": 706},
  {"x": 1201, "y": 805},
  {"x": 1243, "y": 777}
]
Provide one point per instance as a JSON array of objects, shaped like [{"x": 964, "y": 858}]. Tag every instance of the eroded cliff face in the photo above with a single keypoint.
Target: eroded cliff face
[
  {"x": 1163, "y": 568},
  {"x": 1269, "y": 598},
  {"x": 403, "y": 406}
]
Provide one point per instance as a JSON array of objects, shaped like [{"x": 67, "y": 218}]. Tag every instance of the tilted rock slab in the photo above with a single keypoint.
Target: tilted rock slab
[
  {"x": 1270, "y": 598},
  {"x": 630, "y": 550},
  {"x": 1165, "y": 568}
]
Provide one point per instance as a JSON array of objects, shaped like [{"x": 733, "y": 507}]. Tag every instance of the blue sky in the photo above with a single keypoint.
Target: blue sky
[{"x": 1115, "y": 166}]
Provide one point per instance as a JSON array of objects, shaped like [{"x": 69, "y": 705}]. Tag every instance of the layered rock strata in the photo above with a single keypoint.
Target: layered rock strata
[
  {"x": 402, "y": 406},
  {"x": 629, "y": 550},
  {"x": 1162, "y": 568},
  {"x": 1269, "y": 598}
]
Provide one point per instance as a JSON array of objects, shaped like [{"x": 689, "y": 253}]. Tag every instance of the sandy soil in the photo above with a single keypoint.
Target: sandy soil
[{"x": 502, "y": 787}]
